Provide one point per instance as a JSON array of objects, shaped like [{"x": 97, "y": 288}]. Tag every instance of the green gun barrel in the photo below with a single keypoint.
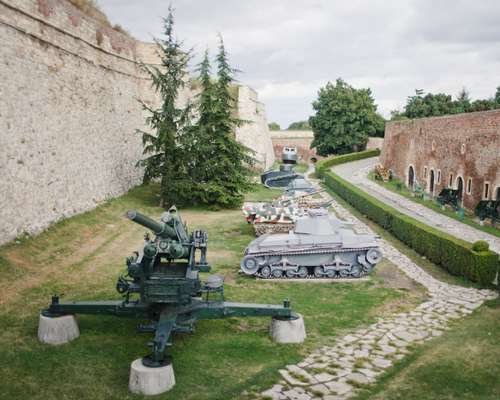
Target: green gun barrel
[{"x": 147, "y": 222}]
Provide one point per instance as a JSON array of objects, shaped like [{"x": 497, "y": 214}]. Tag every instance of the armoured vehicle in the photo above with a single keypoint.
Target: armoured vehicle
[
  {"x": 285, "y": 174},
  {"x": 162, "y": 285},
  {"x": 279, "y": 215},
  {"x": 319, "y": 246},
  {"x": 299, "y": 186}
]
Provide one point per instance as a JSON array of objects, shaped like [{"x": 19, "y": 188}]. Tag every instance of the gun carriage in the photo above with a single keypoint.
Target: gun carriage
[{"x": 162, "y": 285}]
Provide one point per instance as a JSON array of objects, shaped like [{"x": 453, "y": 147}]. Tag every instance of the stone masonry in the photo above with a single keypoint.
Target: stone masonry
[
  {"x": 68, "y": 111},
  {"x": 459, "y": 151}
]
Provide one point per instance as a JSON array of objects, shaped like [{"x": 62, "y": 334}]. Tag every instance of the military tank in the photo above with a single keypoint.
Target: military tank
[
  {"x": 320, "y": 246},
  {"x": 299, "y": 186},
  {"x": 279, "y": 216},
  {"x": 281, "y": 178}
]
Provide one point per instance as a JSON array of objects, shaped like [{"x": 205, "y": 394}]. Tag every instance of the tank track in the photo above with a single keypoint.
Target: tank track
[
  {"x": 336, "y": 275},
  {"x": 261, "y": 228}
]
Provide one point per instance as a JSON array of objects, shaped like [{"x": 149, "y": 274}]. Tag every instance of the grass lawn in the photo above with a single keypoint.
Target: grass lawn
[
  {"x": 301, "y": 168},
  {"x": 461, "y": 364},
  {"x": 82, "y": 257},
  {"x": 396, "y": 186}
]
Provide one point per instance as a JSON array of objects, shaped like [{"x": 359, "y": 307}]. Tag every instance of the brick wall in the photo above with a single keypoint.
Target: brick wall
[
  {"x": 453, "y": 148},
  {"x": 300, "y": 139}
]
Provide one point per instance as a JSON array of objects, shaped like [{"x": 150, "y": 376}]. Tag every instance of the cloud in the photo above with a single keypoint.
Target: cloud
[{"x": 288, "y": 49}]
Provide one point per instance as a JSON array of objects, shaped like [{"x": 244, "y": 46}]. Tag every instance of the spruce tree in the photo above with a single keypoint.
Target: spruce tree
[
  {"x": 167, "y": 148},
  {"x": 229, "y": 162}
]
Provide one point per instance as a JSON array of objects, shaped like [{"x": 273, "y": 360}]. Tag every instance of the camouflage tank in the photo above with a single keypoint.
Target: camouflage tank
[
  {"x": 320, "y": 246},
  {"x": 272, "y": 217},
  {"x": 279, "y": 216}
]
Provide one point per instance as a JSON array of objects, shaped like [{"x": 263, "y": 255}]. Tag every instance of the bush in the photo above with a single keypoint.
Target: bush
[
  {"x": 323, "y": 165},
  {"x": 455, "y": 255},
  {"x": 480, "y": 246}
]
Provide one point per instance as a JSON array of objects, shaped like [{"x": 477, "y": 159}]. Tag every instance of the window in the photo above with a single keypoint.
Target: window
[
  {"x": 451, "y": 181},
  {"x": 462, "y": 148},
  {"x": 425, "y": 172},
  {"x": 469, "y": 186},
  {"x": 433, "y": 145},
  {"x": 439, "y": 176},
  {"x": 486, "y": 190}
]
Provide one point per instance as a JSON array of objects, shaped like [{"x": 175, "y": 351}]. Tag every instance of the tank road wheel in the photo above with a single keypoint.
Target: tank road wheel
[
  {"x": 330, "y": 273},
  {"x": 302, "y": 272},
  {"x": 343, "y": 273},
  {"x": 249, "y": 265},
  {"x": 265, "y": 272},
  {"x": 374, "y": 256},
  {"x": 318, "y": 272},
  {"x": 277, "y": 273},
  {"x": 290, "y": 273},
  {"x": 355, "y": 271}
]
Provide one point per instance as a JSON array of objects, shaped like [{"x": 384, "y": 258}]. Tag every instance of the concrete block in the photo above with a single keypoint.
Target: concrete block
[
  {"x": 57, "y": 330},
  {"x": 150, "y": 381},
  {"x": 288, "y": 331}
]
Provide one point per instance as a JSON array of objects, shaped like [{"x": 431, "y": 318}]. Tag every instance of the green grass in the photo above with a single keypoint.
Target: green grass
[
  {"x": 396, "y": 186},
  {"x": 461, "y": 364},
  {"x": 82, "y": 257}
]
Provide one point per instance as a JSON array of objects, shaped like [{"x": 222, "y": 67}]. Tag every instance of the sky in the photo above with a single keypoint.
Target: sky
[{"x": 288, "y": 49}]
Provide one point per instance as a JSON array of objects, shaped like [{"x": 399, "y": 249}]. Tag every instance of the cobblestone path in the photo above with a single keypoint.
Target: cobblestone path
[
  {"x": 357, "y": 171},
  {"x": 337, "y": 372}
]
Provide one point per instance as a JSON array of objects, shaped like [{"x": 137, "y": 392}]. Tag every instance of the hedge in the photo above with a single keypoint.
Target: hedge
[
  {"x": 454, "y": 255},
  {"x": 323, "y": 165}
]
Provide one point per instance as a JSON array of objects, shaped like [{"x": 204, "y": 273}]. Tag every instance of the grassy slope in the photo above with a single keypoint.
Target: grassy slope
[
  {"x": 461, "y": 364},
  {"x": 82, "y": 258},
  {"x": 398, "y": 187}
]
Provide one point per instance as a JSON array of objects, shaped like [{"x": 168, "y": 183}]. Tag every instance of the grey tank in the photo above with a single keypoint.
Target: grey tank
[{"x": 320, "y": 246}]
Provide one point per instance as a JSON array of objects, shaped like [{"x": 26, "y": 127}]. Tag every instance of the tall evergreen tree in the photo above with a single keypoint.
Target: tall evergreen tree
[
  {"x": 166, "y": 149},
  {"x": 228, "y": 161}
]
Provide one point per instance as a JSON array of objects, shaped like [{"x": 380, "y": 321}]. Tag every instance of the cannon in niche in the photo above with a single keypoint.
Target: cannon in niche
[{"x": 162, "y": 285}]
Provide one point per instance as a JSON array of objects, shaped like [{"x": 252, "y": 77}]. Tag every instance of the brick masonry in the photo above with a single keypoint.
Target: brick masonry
[
  {"x": 300, "y": 139},
  {"x": 449, "y": 151},
  {"x": 68, "y": 111}
]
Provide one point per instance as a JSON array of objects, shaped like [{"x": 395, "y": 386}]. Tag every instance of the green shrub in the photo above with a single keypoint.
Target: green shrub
[
  {"x": 480, "y": 245},
  {"x": 323, "y": 165},
  {"x": 455, "y": 255}
]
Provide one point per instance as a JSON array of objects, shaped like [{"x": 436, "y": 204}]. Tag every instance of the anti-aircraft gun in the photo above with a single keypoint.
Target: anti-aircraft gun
[{"x": 162, "y": 285}]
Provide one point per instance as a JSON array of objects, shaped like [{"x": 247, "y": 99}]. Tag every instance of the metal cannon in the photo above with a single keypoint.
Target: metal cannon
[{"x": 162, "y": 285}]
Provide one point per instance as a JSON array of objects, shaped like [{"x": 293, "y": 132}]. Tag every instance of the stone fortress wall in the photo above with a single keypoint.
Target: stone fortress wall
[
  {"x": 68, "y": 111},
  {"x": 459, "y": 151}
]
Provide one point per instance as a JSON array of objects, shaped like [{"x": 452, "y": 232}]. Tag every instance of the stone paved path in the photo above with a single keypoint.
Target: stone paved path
[
  {"x": 357, "y": 171},
  {"x": 337, "y": 372}
]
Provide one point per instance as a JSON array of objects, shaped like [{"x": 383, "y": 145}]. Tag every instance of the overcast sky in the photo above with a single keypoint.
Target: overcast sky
[{"x": 288, "y": 49}]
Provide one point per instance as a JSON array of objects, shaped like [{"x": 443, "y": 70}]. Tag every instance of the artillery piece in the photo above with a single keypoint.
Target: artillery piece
[{"x": 162, "y": 285}]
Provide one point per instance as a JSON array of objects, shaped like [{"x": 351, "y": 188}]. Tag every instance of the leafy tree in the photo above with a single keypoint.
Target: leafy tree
[
  {"x": 379, "y": 126},
  {"x": 299, "y": 126},
  {"x": 166, "y": 149},
  {"x": 274, "y": 126},
  {"x": 429, "y": 105},
  {"x": 228, "y": 162},
  {"x": 344, "y": 119}
]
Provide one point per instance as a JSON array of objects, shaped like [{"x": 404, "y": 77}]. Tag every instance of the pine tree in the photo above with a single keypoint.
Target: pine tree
[
  {"x": 167, "y": 149},
  {"x": 228, "y": 172}
]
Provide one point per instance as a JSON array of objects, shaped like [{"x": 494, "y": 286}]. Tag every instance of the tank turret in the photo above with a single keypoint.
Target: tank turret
[{"x": 320, "y": 245}]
